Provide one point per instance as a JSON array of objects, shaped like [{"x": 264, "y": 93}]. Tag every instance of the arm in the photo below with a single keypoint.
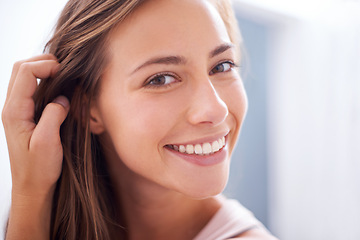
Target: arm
[{"x": 35, "y": 150}]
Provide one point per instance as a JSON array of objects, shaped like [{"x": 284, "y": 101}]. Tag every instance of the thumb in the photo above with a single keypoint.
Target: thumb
[{"x": 47, "y": 131}]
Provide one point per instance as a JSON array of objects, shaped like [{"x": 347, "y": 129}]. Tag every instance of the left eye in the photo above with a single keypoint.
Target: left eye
[
  {"x": 161, "y": 80},
  {"x": 222, "y": 67}
]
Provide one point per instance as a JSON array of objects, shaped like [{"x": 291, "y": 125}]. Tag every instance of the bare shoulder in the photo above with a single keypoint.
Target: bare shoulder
[{"x": 255, "y": 234}]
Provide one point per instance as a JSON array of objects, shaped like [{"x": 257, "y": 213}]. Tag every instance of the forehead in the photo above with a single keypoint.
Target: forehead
[{"x": 168, "y": 27}]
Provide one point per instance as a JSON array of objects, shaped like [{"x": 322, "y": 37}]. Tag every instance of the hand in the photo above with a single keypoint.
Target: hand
[{"x": 35, "y": 150}]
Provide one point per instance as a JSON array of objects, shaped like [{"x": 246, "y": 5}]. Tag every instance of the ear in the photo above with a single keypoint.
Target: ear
[{"x": 96, "y": 124}]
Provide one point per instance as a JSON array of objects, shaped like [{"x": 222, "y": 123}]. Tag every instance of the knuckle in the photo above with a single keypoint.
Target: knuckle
[
  {"x": 17, "y": 65},
  {"x": 24, "y": 67},
  {"x": 3, "y": 116},
  {"x": 15, "y": 111},
  {"x": 6, "y": 115},
  {"x": 52, "y": 57}
]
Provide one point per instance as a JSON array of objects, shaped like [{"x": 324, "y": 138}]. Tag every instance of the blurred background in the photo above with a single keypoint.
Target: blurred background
[{"x": 297, "y": 163}]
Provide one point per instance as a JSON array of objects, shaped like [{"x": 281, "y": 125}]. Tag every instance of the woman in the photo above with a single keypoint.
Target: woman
[{"x": 144, "y": 147}]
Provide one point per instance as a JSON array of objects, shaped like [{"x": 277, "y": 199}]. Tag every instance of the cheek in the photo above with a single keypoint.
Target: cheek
[
  {"x": 150, "y": 117},
  {"x": 238, "y": 101},
  {"x": 138, "y": 124},
  {"x": 235, "y": 98}
]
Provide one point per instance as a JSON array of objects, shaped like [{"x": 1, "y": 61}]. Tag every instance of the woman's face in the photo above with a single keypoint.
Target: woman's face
[{"x": 170, "y": 92}]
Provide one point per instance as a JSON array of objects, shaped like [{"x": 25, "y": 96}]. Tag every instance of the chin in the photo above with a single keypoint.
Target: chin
[{"x": 207, "y": 189}]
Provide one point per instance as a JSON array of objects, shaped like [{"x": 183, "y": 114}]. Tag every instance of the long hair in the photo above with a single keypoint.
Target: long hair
[{"x": 84, "y": 205}]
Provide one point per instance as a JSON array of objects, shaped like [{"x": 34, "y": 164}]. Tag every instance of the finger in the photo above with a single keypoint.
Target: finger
[
  {"x": 47, "y": 131},
  {"x": 18, "y": 112},
  {"x": 26, "y": 80},
  {"x": 19, "y": 63}
]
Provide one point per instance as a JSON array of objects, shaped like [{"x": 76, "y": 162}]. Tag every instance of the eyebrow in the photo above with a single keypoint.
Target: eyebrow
[
  {"x": 176, "y": 60},
  {"x": 220, "y": 49},
  {"x": 179, "y": 60}
]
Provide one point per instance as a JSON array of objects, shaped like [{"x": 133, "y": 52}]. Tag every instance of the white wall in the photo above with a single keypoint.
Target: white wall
[
  {"x": 25, "y": 27},
  {"x": 313, "y": 117},
  {"x": 315, "y": 130}
]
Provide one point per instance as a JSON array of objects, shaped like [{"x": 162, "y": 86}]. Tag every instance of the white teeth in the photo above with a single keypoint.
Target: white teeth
[
  {"x": 201, "y": 149},
  {"x": 189, "y": 149},
  {"x": 220, "y": 143},
  {"x": 181, "y": 148},
  {"x": 198, "y": 149},
  {"x": 215, "y": 146},
  {"x": 206, "y": 148}
]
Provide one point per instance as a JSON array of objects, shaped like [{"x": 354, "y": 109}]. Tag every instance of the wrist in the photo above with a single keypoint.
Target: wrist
[
  {"x": 30, "y": 216},
  {"x": 23, "y": 192}
]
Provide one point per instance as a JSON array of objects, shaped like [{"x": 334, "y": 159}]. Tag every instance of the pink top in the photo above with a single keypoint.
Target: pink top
[{"x": 230, "y": 220}]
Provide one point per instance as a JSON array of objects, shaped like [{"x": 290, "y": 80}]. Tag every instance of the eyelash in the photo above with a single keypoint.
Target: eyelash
[
  {"x": 148, "y": 83},
  {"x": 231, "y": 63}
]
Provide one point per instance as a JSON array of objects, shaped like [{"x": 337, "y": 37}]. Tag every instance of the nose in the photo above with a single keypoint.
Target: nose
[{"x": 206, "y": 106}]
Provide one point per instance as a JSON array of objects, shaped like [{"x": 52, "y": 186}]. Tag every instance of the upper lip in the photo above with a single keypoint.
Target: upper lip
[{"x": 208, "y": 139}]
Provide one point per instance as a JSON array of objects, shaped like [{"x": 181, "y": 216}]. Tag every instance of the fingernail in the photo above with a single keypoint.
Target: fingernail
[{"x": 62, "y": 101}]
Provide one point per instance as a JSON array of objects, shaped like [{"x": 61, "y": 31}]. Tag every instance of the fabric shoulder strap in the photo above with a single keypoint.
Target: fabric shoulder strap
[{"x": 230, "y": 220}]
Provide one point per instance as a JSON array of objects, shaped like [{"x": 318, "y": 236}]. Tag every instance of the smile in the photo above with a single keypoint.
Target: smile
[{"x": 200, "y": 149}]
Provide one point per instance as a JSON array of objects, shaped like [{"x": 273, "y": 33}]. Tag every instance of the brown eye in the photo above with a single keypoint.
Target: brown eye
[
  {"x": 222, "y": 67},
  {"x": 161, "y": 80}
]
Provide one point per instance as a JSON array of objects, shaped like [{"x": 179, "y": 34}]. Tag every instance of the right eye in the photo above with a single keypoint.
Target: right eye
[{"x": 161, "y": 80}]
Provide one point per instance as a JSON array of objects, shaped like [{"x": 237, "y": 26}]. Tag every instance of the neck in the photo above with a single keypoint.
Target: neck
[{"x": 150, "y": 211}]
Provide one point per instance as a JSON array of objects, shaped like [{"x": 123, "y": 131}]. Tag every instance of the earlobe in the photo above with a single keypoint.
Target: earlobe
[{"x": 96, "y": 124}]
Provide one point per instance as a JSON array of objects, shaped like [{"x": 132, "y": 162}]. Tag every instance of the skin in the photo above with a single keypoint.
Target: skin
[
  {"x": 161, "y": 195},
  {"x": 35, "y": 151},
  {"x": 136, "y": 120}
]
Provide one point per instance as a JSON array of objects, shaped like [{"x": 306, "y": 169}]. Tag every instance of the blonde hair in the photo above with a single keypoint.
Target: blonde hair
[{"x": 84, "y": 205}]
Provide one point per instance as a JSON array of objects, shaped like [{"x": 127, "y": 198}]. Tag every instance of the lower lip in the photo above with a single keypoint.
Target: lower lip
[{"x": 202, "y": 160}]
